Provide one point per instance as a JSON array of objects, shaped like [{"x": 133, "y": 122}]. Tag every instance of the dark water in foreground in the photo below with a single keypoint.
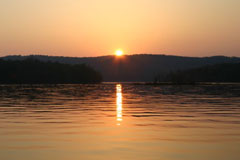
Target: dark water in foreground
[{"x": 113, "y": 121}]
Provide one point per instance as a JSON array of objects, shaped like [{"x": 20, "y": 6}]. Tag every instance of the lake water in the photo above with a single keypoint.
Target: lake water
[{"x": 119, "y": 122}]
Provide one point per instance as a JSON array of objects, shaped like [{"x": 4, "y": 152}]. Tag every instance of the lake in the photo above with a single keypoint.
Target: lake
[{"x": 120, "y": 121}]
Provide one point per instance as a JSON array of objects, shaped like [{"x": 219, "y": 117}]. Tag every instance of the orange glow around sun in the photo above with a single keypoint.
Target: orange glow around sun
[{"x": 119, "y": 52}]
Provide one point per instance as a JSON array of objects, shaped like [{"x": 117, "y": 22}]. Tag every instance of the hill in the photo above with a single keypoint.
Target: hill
[
  {"x": 142, "y": 67},
  {"x": 31, "y": 71},
  {"x": 225, "y": 72}
]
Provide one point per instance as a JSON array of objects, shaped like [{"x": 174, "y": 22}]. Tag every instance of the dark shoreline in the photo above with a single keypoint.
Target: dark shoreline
[{"x": 193, "y": 84}]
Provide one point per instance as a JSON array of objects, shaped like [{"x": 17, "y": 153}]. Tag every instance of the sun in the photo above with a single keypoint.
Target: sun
[{"x": 119, "y": 52}]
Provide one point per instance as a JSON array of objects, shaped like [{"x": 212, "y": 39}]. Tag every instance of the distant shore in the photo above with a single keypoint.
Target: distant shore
[{"x": 196, "y": 83}]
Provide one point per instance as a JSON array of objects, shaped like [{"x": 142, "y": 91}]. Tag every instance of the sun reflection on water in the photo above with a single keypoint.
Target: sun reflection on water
[{"x": 119, "y": 103}]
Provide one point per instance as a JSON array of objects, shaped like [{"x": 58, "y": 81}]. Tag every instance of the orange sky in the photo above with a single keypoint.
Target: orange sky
[{"x": 99, "y": 27}]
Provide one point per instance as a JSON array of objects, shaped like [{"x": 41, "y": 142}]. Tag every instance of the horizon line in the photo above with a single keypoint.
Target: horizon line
[{"x": 115, "y": 56}]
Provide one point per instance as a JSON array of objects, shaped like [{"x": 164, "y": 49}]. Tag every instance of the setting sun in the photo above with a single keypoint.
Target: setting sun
[{"x": 119, "y": 52}]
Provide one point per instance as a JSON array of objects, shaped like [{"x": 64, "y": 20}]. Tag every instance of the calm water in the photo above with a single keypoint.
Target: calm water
[{"x": 119, "y": 121}]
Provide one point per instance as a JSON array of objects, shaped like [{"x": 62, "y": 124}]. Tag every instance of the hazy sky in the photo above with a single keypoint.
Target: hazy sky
[{"x": 99, "y": 27}]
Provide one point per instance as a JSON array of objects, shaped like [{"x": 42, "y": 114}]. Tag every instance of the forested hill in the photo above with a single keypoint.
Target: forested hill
[
  {"x": 32, "y": 71},
  {"x": 225, "y": 72},
  {"x": 135, "y": 67}
]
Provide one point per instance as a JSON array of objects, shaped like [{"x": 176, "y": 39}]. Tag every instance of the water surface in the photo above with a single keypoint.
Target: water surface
[{"x": 119, "y": 121}]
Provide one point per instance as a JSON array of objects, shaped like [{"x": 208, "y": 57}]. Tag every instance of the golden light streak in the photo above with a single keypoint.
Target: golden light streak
[{"x": 119, "y": 103}]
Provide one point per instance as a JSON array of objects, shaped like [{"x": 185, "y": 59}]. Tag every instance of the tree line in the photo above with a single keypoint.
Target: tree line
[
  {"x": 225, "y": 72},
  {"x": 32, "y": 71}
]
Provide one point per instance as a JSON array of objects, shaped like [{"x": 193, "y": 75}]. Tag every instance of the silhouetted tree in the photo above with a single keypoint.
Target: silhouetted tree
[
  {"x": 226, "y": 72},
  {"x": 135, "y": 67},
  {"x": 31, "y": 71}
]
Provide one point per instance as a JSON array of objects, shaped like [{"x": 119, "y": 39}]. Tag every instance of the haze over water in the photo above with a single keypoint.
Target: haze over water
[{"x": 120, "y": 121}]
